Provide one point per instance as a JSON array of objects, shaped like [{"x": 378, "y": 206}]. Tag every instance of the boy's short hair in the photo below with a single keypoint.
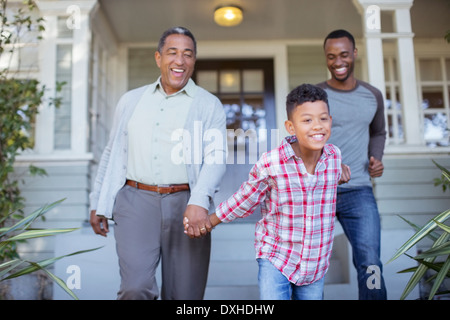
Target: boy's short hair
[{"x": 305, "y": 93}]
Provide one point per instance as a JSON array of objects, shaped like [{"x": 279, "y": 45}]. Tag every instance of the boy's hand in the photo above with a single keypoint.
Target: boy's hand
[{"x": 346, "y": 174}]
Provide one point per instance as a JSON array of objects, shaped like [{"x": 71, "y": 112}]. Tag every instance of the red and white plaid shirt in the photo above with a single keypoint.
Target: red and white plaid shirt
[{"x": 297, "y": 227}]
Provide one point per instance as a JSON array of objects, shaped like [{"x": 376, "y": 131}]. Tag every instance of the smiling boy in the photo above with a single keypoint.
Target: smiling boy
[{"x": 296, "y": 186}]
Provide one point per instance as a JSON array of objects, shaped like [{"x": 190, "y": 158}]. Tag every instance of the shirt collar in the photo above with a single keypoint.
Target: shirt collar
[
  {"x": 190, "y": 88},
  {"x": 286, "y": 151}
]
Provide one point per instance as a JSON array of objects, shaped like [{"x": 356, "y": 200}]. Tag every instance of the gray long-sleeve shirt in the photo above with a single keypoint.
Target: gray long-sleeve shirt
[{"x": 358, "y": 127}]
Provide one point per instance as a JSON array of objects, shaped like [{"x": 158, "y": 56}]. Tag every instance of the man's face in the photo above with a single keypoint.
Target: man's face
[
  {"x": 176, "y": 62},
  {"x": 340, "y": 55}
]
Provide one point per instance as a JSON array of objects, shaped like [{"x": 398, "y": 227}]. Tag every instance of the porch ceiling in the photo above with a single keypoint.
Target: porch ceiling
[{"x": 144, "y": 20}]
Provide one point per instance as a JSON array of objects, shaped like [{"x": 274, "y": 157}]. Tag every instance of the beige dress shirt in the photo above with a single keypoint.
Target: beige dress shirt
[{"x": 151, "y": 137}]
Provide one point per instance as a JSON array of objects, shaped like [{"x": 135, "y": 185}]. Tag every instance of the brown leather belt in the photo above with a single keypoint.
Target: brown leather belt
[{"x": 163, "y": 189}]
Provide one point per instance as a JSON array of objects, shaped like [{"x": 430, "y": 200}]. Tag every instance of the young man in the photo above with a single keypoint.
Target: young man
[
  {"x": 295, "y": 184},
  {"x": 146, "y": 192},
  {"x": 359, "y": 131}
]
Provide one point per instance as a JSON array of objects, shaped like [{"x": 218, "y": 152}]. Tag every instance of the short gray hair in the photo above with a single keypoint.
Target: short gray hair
[{"x": 176, "y": 30}]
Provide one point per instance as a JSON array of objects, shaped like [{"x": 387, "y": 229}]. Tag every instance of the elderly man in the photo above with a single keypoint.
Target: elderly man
[{"x": 144, "y": 187}]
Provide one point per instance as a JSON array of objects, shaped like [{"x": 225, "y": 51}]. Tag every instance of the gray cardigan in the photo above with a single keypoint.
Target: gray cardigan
[{"x": 205, "y": 126}]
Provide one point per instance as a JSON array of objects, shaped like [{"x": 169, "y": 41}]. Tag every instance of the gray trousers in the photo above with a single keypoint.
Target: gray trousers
[{"x": 149, "y": 228}]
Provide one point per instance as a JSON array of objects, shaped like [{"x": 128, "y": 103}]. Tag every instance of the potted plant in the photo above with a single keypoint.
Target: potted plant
[{"x": 437, "y": 258}]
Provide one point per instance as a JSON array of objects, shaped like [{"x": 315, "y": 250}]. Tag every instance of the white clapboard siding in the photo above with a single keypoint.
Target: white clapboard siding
[
  {"x": 69, "y": 182},
  {"x": 407, "y": 189},
  {"x": 142, "y": 68},
  {"x": 306, "y": 65}
]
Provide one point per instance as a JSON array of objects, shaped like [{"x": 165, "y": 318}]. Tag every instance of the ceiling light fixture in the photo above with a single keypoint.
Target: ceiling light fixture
[{"x": 228, "y": 16}]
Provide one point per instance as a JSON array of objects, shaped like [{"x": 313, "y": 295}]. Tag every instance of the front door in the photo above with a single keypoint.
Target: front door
[{"x": 246, "y": 89}]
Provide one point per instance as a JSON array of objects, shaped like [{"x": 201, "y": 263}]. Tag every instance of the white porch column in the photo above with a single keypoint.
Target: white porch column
[
  {"x": 407, "y": 76},
  {"x": 371, "y": 21},
  {"x": 80, "y": 79},
  {"x": 370, "y": 10}
]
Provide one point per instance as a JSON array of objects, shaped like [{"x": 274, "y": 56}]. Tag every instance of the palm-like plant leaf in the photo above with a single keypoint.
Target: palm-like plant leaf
[
  {"x": 442, "y": 274},
  {"x": 419, "y": 235},
  {"x": 26, "y": 222},
  {"x": 22, "y": 231},
  {"x": 425, "y": 264},
  {"x": 37, "y": 233}
]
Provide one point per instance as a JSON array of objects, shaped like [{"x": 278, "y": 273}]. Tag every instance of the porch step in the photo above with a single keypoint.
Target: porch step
[{"x": 232, "y": 293}]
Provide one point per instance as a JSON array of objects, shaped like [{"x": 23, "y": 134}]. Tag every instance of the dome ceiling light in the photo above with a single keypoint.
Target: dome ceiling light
[{"x": 228, "y": 16}]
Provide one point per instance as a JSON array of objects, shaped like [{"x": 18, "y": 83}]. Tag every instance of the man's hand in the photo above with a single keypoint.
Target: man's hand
[
  {"x": 99, "y": 224},
  {"x": 197, "y": 219},
  {"x": 346, "y": 174},
  {"x": 376, "y": 167}
]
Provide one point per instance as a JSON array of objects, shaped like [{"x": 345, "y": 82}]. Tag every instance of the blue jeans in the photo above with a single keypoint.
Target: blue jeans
[
  {"x": 273, "y": 285},
  {"x": 357, "y": 211}
]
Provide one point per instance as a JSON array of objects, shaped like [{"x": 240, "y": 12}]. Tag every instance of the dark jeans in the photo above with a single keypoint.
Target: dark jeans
[{"x": 357, "y": 211}]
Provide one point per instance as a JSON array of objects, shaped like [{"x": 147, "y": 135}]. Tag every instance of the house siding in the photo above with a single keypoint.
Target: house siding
[
  {"x": 63, "y": 181},
  {"x": 407, "y": 189},
  {"x": 142, "y": 68}
]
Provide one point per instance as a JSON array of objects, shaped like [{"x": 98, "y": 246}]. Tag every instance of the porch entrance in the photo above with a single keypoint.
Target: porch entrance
[{"x": 246, "y": 89}]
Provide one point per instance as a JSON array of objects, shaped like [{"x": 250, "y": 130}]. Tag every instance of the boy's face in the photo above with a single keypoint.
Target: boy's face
[
  {"x": 311, "y": 123},
  {"x": 176, "y": 62}
]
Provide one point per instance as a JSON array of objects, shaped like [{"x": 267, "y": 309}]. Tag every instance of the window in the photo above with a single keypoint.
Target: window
[
  {"x": 434, "y": 87},
  {"x": 63, "y": 114},
  {"x": 393, "y": 106},
  {"x": 433, "y": 76},
  {"x": 102, "y": 101}
]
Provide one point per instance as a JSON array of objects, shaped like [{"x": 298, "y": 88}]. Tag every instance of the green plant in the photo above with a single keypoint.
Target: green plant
[
  {"x": 437, "y": 258},
  {"x": 22, "y": 231},
  {"x": 443, "y": 180},
  {"x": 20, "y": 99}
]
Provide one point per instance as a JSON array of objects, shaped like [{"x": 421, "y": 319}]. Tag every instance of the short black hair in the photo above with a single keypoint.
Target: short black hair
[
  {"x": 305, "y": 93},
  {"x": 340, "y": 33},
  {"x": 176, "y": 30}
]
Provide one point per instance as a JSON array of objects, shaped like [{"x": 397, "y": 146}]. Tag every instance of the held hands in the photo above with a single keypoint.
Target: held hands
[{"x": 196, "y": 221}]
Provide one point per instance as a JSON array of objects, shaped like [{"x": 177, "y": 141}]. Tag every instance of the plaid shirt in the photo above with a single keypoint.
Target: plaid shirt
[{"x": 297, "y": 228}]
